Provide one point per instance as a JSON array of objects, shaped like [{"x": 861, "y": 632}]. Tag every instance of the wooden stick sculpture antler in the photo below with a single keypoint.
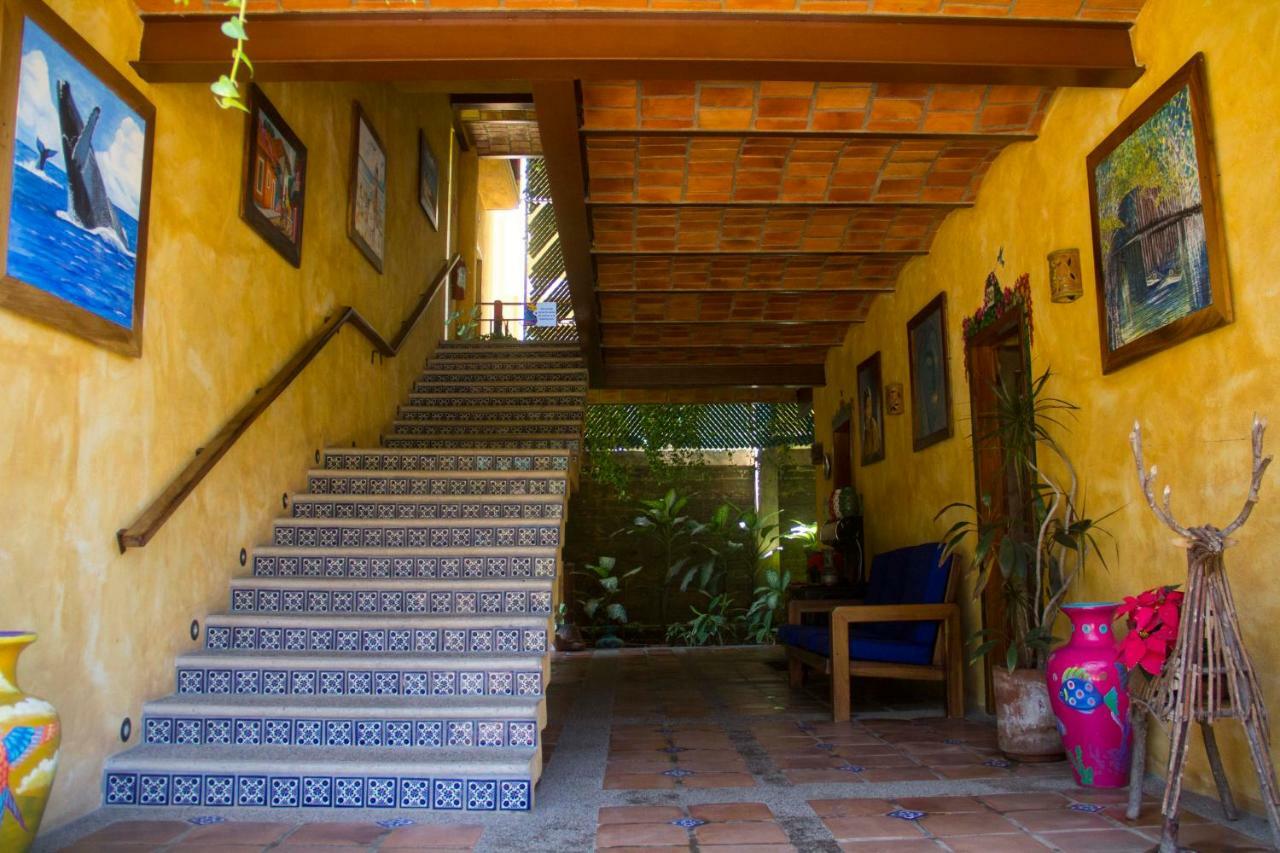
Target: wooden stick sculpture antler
[{"x": 1209, "y": 675}]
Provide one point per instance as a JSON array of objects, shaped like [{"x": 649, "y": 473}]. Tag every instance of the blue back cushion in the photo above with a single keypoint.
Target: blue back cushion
[{"x": 907, "y": 576}]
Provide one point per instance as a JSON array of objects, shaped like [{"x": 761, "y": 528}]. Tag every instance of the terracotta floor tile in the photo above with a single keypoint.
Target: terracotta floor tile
[
  {"x": 1150, "y": 816},
  {"x": 967, "y": 823},
  {"x": 1051, "y": 820},
  {"x": 238, "y": 832},
  {"x": 743, "y": 832},
  {"x": 921, "y": 845},
  {"x": 640, "y": 834},
  {"x": 1024, "y": 802},
  {"x": 205, "y": 847},
  {"x": 110, "y": 847},
  {"x": 639, "y": 814},
  {"x": 1020, "y": 843},
  {"x": 335, "y": 834},
  {"x": 852, "y": 807},
  {"x": 638, "y": 781},
  {"x": 433, "y": 836},
  {"x": 139, "y": 832},
  {"x": 651, "y": 849},
  {"x": 731, "y": 811},
  {"x": 1205, "y": 836},
  {"x": 941, "y": 804},
  {"x": 871, "y": 826},
  {"x": 327, "y": 848},
  {"x": 898, "y": 774},
  {"x": 749, "y": 848},
  {"x": 719, "y": 780},
  {"x": 807, "y": 777},
  {"x": 1098, "y": 841}
]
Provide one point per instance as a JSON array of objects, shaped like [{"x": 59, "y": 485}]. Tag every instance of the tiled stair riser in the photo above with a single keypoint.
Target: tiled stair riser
[
  {"x": 293, "y": 791},
  {"x": 338, "y": 732},
  {"x": 274, "y": 564},
  {"x": 409, "y": 581},
  {"x": 301, "y": 680},
  {"x": 374, "y": 641}
]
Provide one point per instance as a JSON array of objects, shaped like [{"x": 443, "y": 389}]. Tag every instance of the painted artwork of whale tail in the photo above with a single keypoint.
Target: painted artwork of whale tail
[
  {"x": 87, "y": 198},
  {"x": 43, "y": 152}
]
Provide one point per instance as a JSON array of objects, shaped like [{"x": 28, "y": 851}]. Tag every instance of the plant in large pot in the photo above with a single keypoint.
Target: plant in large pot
[{"x": 1035, "y": 556}]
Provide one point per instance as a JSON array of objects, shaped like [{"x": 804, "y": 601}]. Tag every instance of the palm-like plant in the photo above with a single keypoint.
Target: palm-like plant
[
  {"x": 1041, "y": 552},
  {"x": 759, "y": 621},
  {"x": 663, "y": 522},
  {"x": 602, "y": 606}
]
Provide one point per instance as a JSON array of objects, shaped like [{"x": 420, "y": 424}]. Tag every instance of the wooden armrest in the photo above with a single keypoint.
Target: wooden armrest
[
  {"x": 893, "y": 613},
  {"x": 795, "y": 607}
]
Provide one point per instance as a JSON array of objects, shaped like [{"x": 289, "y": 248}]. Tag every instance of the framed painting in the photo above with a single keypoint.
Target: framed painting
[
  {"x": 77, "y": 140},
  {"x": 273, "y": 191},
  {"x": 428, "y": 181},
  {"x": 870, "y": 411},
  {"x": 367, "y": 192},
  {"x": 1158, "y": 245},
  {"x": 931, "y": 420}
]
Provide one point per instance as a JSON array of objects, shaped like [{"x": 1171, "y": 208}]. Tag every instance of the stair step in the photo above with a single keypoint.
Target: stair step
[
  {"x": 447, "y": 563},
  {"x": 440, "y": 385},
  {"x": 377, "y": 634},
  {"x": 437, "y": 597},
  {"x": 484, "y": 399},
  {"x": 519, "y": 414},
  {"x": 340, "y": 721},
  {"x": 223, "y": 673},
  {"x": 418, "y": 533},
  {"x": 461, "y": 459},
  {"x": 481, "y": 442},
  {"x": 313, "y": 777},
  {"x": 434, "y": 486},
  {"x": 421, "y": 507}
]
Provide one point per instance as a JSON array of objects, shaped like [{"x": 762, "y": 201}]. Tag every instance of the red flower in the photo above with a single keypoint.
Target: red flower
[{"x": 1153, "y": 617}]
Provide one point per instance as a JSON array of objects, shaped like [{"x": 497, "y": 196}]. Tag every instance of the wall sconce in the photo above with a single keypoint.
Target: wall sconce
[{"x": 1064, "y": 275}]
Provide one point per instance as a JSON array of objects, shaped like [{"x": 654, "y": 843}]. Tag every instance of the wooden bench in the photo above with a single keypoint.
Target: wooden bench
[{"x": 907, "y": 627}]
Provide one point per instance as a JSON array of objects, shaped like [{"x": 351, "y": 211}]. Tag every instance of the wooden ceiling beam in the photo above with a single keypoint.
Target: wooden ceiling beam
[
  {"x": 825, "y": 321},
  {"x": 724, "y": 375},
  {"x": 742, "y": 291},
  {"x": 784, "y": 205},
  {"x": 568, "y": 45},
  {"x": 556, "y": 103},
  {"x": 844, "y": 135},
  {"x": 762, "y": 253},
  {"x": 720, "y": 345}
]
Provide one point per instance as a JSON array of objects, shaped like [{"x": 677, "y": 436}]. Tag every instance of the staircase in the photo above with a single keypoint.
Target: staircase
[{"x": 390, "y": 649}]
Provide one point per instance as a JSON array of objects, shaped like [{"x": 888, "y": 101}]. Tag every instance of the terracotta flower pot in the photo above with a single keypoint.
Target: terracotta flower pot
[{"x": 1026, "y": 729}]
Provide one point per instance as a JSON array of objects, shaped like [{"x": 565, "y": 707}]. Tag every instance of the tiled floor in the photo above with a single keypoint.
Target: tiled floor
[{"x": 665, "y": 750}]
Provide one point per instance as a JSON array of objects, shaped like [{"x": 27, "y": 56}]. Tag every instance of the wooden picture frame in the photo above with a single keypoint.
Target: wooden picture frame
[
  {"x": 871, "y": 438},
  {"x": 50, "y": 236},
  {"x": 428, "y": 181},
  {"x": 367, "y": 189},
  {"x": 931, "y": 417},
  {"x": 1151, "y": 270},
  {"x": 274, "y": 181}
]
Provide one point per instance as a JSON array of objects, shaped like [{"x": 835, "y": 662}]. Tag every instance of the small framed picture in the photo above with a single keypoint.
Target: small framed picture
[
  {"x": 367, "y": 191},
  {"x": 870, "y": 410},
  {"x": 76, "y": 186},
  {"x": 273, "y": 195},
  {"x": 428, "y": 181},
  {"x": 931, "y": 420}
]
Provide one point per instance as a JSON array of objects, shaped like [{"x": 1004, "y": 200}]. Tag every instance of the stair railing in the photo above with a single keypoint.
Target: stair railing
[{"x": 154, "y": 516}]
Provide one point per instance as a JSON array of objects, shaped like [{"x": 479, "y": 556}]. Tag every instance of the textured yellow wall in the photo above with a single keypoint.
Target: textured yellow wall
[
  {"x": 1195, "y": 400},
  {"x": 87, "y": 438}
]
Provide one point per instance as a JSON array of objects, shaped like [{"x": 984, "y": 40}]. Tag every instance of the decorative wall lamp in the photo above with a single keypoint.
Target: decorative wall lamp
[{"x": 1064, "y": 275}]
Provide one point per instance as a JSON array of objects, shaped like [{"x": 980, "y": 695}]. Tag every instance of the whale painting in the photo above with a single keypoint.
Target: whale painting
[{"x": 76, "y": 195}]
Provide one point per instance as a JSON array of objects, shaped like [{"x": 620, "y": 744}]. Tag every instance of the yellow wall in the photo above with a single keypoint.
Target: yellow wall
[
  {"x": 1195, "y": 400},
  {"x": 87, "y": 438}
]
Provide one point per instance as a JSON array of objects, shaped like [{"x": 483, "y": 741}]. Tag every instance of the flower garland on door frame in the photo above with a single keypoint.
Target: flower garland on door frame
[{"x": 996, "y": 302}]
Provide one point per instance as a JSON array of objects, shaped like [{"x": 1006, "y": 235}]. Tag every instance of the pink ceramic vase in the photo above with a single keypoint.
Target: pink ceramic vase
[{"x": 1087, "y": 688}]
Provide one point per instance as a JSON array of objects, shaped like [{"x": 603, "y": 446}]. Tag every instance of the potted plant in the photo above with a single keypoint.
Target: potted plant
[
  {"x": 1037, "y": 557},
  {"x": 602, "y": 606}
]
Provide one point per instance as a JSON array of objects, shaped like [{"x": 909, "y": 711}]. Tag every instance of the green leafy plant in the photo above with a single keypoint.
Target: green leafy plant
[
  {"x": 714, "y": 625},
  {"x": 806, "y": 535},
  {"x": 1039, "y": 552},
  {"x": 763, "y": 539},
  {"x": 663, "y": 522},
  {"x": 468, "y": 323},
  {"x": 714, "y": 543},
  {"x": 601, "y": 605},
  {"x": 758, "y": 623}
]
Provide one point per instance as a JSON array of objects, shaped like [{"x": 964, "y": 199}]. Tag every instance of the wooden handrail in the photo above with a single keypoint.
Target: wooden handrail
[{"x": 154, "y": 516}]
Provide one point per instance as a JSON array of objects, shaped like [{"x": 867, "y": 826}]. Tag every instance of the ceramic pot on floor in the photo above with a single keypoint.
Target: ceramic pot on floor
[
  {"x": 29, "y": 740},
  {"x": 1025, "y": 726},
  {"x": 1088, "y": 689}
]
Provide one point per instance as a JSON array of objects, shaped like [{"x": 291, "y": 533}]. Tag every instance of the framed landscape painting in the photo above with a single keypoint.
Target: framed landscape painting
[
  {"x": 930, "y": 385},
  {"x": 76, "y": 183},
  {"x": 1158, "y": 246},
  {"x": 428, "y": 181},
  {"x": 367, "y": 193},
  {"x": 273, "y": 192},
  {"x": 870, "y": 411}
]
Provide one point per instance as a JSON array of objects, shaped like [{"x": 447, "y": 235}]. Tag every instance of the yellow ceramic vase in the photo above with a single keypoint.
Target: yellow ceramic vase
[{"x": 29, "y": 738}]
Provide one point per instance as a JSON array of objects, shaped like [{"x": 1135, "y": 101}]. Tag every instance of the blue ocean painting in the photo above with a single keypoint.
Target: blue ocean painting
[
  {"x": 1151, "y": 226},
  {"x": 74, "y": 235}
]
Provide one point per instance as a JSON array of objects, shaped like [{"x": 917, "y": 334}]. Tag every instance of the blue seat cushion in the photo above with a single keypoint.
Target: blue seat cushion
[
  {"x": 913, "y": 575},
  {"x": 817, "y": 639}
]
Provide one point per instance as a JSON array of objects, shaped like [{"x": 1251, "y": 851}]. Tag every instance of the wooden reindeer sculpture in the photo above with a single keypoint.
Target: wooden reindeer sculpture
[{"x": 1209, "y": 675}]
